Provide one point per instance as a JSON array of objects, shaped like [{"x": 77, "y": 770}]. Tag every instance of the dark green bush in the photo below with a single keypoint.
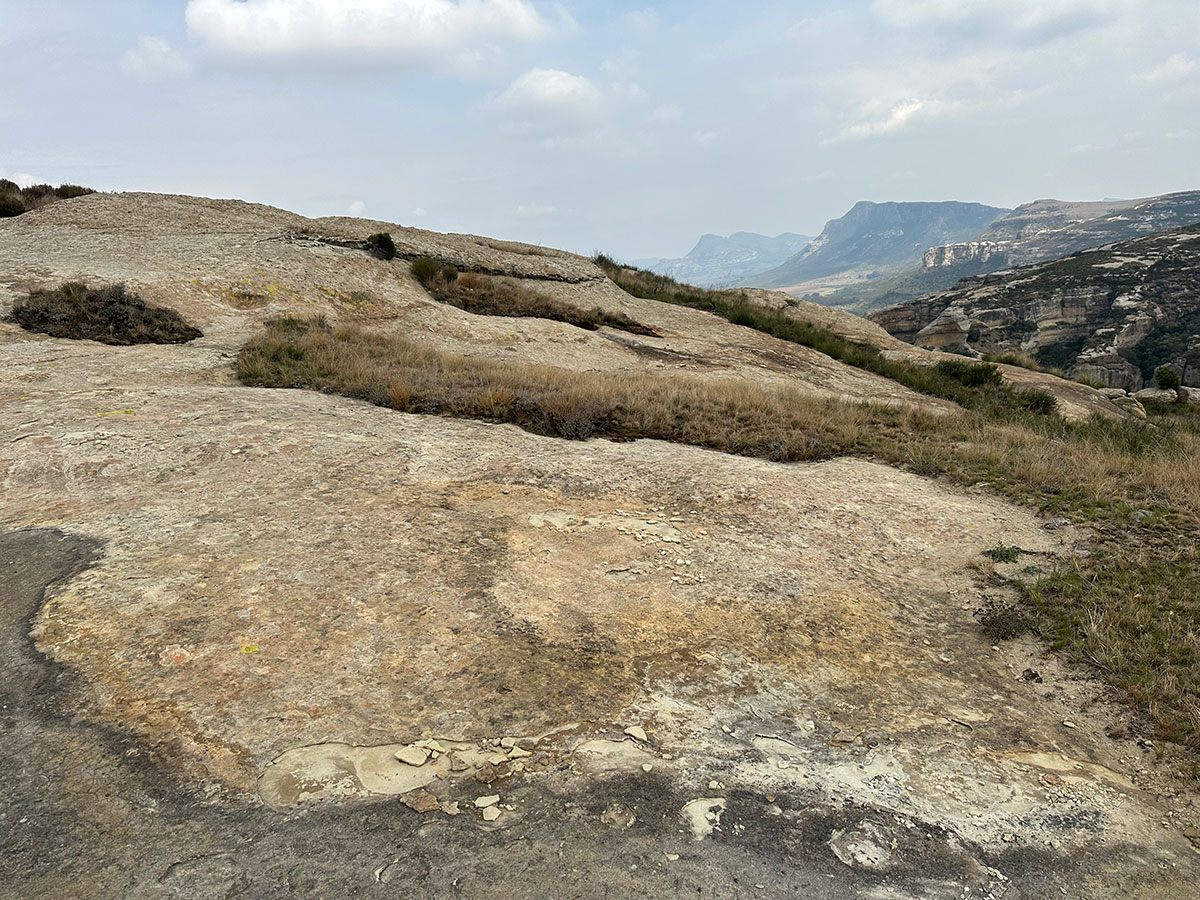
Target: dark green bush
[
  {"x": 15, "y": 200},
  {"x": 11, "y": 205},
  {"x": 110, "y": 315},
  {"x": 1167, "y": 379},
  {"x": 38, "y": 191},
  {"x": 970, "y": 374},
  {"x": 1041, "y": 402},
  {"x": 426, "y": 269},
  {"x": 67, "y": 191},
  {"x": 381, "y": 246},
  {"x": 449, "y": 274}
]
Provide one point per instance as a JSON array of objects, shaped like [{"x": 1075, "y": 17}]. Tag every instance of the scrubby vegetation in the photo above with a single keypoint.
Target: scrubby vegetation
[
  {"x": 381, "y": 246},
  {"x": 1021, "y": 361},
  {"x": 15, "y": 200},
  {"x": 1166, "y": 379},
  {"x": 951, "y": 380},
  {"x": 110, "y": 315},
  {"x": 1131, "y": 608},
  {"x": 488, "y": 295},
  {"x": 1002, "y": 553}
]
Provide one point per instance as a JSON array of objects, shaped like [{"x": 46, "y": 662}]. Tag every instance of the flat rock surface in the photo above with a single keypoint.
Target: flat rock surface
[{"x": 226, "y": 610}]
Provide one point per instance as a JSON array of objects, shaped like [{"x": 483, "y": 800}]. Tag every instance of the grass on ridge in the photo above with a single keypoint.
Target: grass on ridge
[
  {"x": 1131, "y": 608},
  {"x": 487, "y": 295},
  {"x": 15, "y": 200},
  {"x": 944, "y": 380}
]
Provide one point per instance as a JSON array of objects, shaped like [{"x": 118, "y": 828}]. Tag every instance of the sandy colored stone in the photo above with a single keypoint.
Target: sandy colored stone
[
  {"x": 400, "y": 575},
  {"x": 413, "y": 756}
]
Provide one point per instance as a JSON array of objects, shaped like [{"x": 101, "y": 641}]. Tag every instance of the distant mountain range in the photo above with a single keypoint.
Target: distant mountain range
[
  {"x": 1033, "y": 233},
  {"x": 718, "y": 261},
  {"x": 1112, "y": 315},
  {"x": 875, "y": 239}
]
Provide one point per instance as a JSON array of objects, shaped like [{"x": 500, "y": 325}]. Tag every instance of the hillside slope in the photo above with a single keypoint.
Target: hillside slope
[
  {"x": 1113, "y": 315},
  {"x": 877, "y": 237},
  {"x": 264, "y": 642}
]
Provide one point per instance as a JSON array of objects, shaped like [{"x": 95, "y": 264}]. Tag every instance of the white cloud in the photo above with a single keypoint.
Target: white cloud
[
  {"x": 667, "y": 115},
  {"x": 419, "y": 213},
  {"x": 362, "y": 32},
  {"x": 899, "y": 117},
  {"x": 552, "y": 93},
  {"x": 356, "y": 209},
  {"x": 153, "y": 59},
  {"x": 991, "y": 19},
  {"x": 536, "y": 211},
  {"x": 23, "y": 179},
  {"x": 1174, "y": 68}
]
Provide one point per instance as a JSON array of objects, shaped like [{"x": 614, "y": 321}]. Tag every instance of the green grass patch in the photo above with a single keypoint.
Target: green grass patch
[{"x": 953, "y": 380}]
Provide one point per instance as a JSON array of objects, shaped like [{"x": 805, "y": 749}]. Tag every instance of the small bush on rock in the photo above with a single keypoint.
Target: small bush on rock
[
  {"x": 1167, "y": 379},
  {"x": 381, "y": 246},
  {"x": 426, "y": 269},
  {"x": 110, "y": 315}
]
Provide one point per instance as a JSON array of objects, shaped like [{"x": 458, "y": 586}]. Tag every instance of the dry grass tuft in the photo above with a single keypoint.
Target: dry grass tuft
[
  {"x": 736, "y": 417},
  {"x": 110, "y": 315},
  {"x": 488, "y": 295}
]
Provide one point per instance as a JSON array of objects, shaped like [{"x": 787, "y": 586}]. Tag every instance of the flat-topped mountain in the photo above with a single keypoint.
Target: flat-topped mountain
[
  {"x": 1113, "y": 315},
  {"x": 875, "y": 238},
  {"x": 718, "y": 261},
  {"x": 1033, "y": 233}
]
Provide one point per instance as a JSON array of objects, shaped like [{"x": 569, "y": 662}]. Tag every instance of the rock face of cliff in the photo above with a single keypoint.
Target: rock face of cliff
[
  {"x": 1036, "y": 232},
  {"x": 879, "y": 237},
  {"x": 948, "y": 255},
  {"x": 1112, "y": 315}
]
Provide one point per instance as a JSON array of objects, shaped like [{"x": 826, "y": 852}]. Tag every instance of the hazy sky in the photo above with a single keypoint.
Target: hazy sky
[{"x": 627, "y": 127}]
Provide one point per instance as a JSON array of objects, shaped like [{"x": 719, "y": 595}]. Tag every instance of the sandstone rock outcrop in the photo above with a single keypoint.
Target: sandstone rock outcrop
[
  {"x": 1112, "y": 315},
  {"x": 226, "y": 610}
]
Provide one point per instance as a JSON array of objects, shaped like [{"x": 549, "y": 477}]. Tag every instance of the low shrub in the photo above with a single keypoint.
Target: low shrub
[
  {"x": 381, "y": 246},
  {"x": 110, "y": 315},
  {"x": 1038, "y": 402},
  {"x": 425, "y": 269},
  {"x": 1021, "y": 360},
  {"x": 486, "y": 295},
  {"x": 11, "y": 205},
  {"x": 1002, "y": 553},
  {"x": 1167, "y": 379},
  {"x": 970, "y": 374},
  {"x": 15, "y": 200}
]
